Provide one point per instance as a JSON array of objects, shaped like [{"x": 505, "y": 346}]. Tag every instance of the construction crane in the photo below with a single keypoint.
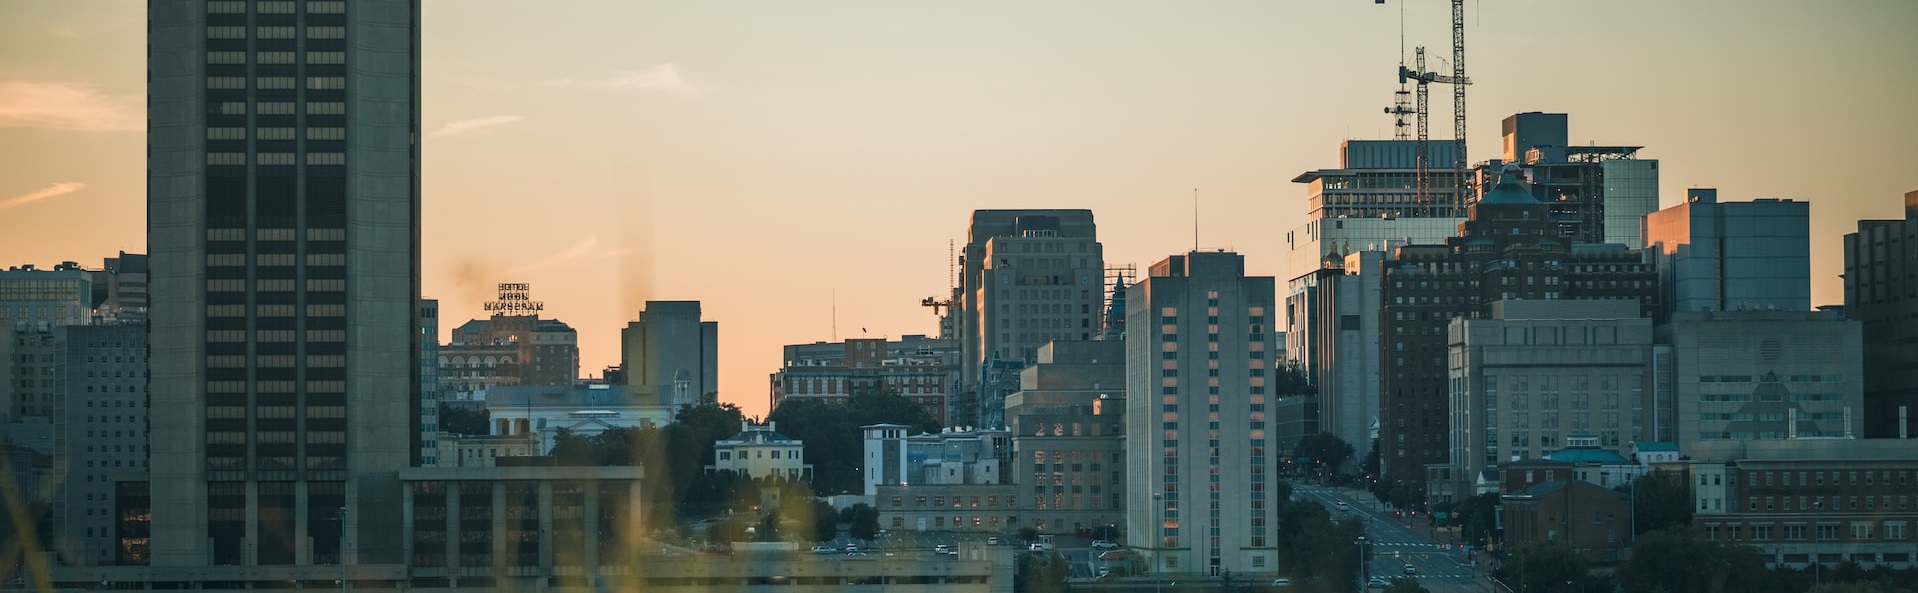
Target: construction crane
[{"x": 1458, "y": 80}]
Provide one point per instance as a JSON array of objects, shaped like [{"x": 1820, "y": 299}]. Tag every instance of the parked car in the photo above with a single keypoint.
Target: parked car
[
  {"x": 941, "y": 549},
  {"x": 1409, "y": 569},
  {"x": 1281, "y": 582},
  {"x": 1104, "y": 545},
  {"x": 992, "y": 541},
  {"x": 852, "y": 548},
  {"x": 824, "y": 550}
]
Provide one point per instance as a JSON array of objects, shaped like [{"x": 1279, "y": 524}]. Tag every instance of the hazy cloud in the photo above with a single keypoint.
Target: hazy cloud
[
  {"x": 66, "y": 106},
  {"x": 663, "y": 78},
  {"x": 51, "y": 191},
  {"x": 585, "y": 249},
  {"x": 468, "y": 125}
]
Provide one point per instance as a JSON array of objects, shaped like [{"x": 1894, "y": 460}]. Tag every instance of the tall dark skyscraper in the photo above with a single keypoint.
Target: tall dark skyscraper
[{"x": 283, "y": 227}]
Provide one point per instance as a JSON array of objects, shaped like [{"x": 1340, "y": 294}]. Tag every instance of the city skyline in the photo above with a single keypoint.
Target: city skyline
[{"x": 611, "y": 165}]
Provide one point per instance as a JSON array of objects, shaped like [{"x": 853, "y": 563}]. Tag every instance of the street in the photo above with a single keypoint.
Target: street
[{"x": 1399, "y": 542}]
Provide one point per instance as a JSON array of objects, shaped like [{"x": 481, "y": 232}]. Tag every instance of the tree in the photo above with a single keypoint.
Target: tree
[
  {"x": 464, "y": 420},
  {"x": 1476, "y": 516},
  {"x": 825, "y": 522},
  {"x": 1660, "y": 500},
  {"x": 1548, "y": 566},
  {"x": 1675, "y": 560},
  {"x": 1323, "y": 449},
  {"x": 831, "y": 431},
  {"x": 1027, "y": 534},
  {"x": 1406, "y": 585},
  {"x": 862, "y": 521},
  {"x": 1040, "y": 573},
  {"x": 1291, "y": 380}
]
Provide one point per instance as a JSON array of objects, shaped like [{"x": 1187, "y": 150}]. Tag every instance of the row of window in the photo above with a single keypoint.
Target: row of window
[
  {"x": 236, "y": 133},
  {"x": 275, "y": 32},
  {"x": 1860, "y": 530},
  {"x": 275, "y": 57},
  {"x": 899, "y": 501},
  {"x": 275, "y": 7},
  {"x": 275, "y": 158}
]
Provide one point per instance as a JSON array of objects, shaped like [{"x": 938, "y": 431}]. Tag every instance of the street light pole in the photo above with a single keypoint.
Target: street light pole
[
  {"x": 342, "y": 549},
  {"x": 1816, "y": 566},
  {"x": 1158, "y": 544},
  {"x": 1362, "y": 573}
]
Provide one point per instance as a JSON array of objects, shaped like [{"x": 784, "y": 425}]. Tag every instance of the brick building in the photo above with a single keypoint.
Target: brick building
[{"x": 1842, "y": 499}]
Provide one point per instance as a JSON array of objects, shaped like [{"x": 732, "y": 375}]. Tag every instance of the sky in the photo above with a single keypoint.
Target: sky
[{"x": 802, "y": 168}]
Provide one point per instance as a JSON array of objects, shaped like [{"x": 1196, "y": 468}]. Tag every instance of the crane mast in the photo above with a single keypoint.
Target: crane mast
[{"x": 1458, "y": 80}]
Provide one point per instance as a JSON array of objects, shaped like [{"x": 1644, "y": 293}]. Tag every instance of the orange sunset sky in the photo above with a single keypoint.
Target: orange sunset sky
[{"x": 762, "y": 157}]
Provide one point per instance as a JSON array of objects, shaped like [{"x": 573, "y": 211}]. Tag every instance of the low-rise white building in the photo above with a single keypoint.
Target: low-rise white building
[{"x": 760, "y": 451}]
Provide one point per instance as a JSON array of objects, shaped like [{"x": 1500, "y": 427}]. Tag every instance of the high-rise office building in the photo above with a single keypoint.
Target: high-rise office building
[
  {"x": 1510, "y": 249},
  {"x": 1533, "y": 377},
  {"x": 1199, "y": 354},
  {"x": 1764, "y": 375},
  {"x": 671, "y": 353},
  {"x": 100, "y": 440},
  {"x": 1596, "y": 194},
  {"x": 1369, "y": 204},
  {"x": 120, "y": 287},
  {"x": 1881, "y": 291},
  {"x": 284, "y": 235},
  {"x": 1030, "y": 277},
  {"x": 1068, "y": 422},
  {"x": 1725, "y": 256},
  {"x": 429, "y": 345}
]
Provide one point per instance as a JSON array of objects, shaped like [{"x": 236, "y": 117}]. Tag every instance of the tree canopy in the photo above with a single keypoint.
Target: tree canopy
[{"x": 830, "y": 431}]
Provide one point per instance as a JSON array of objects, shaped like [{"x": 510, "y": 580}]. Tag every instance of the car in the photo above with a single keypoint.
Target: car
[
  {"x": 1377, "y": 583},
  {"x": 1281, "y": 582},
  {"x": 852, "y": 548},
  {"x": 824, "y": 550},
  {"x": 992, "y": 541},
  {"x": 941, "y": 549},
  {"x": 849, "y": 554},
  {"x": 1104, "y": 545},
  {"x": 1035, "y": 547},
  {"x": 1344, "y": 507},
  {"x": 1409, "y": 569}
]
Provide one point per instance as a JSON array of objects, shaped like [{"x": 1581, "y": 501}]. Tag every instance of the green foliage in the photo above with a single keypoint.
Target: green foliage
[
  {"x": 1326, "y": 450},
  {"x": 1040, "y": 573},
  {"x": 1549, "y": 566},
  {"x": 1291, "y": 380},
  {"x": 465, "y": 421},
  {"x": 1675, "y": 561},
  {"x": 1660, "y": 500},
  {"x": 1027, "y": 534},
  {"x": 1476, "y": 516},
  {"x": 1312, "y": 546},
  {"x": 862, "y": 521},
  {"x": 825, "y": 522},
  {"x": 675, "y": 457},
  {"x": 831, "y": 431},
  {"x": 1406, "y": 586}
]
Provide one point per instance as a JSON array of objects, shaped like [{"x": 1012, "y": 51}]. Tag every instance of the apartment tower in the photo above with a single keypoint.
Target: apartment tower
[
  {"x": 284, "y": 232},
  {"x": 1198, "y": 355}
]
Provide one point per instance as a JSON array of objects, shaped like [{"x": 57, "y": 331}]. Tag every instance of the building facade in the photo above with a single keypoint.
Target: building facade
[
  {"x": 1029, "y": 277},
  {"x": 1508, "y": 250},
  {"x": 1881, "y": 291},
  {"x": 32, "y": 297},
  {"x": 283, "y": 222},
  {"x": 672, "y": 352},
  {"x": 1200, "y": 348},
  {"x": 1593, "y": 520},
  {"x": 429, "y": 345},
  {"x": 1725, "y": 256},
  {"x": 759, "y": 451},
  {"x": 1332, "y": 334},
  {"x": 924, "y": 370},
  {"x": 1595, "y": 194},
  {"x": 1068, "y": 437},
  {"x": 1533, "y": 375},
  {"x": 1765, "y": 375},
  {"x": 1799, "y": 501}
]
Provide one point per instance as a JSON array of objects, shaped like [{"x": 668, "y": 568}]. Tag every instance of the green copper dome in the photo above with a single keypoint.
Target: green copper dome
[{"x": 1508, "y": 190}]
